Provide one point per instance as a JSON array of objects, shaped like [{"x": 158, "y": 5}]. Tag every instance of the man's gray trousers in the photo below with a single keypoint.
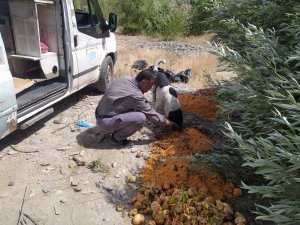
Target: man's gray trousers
[{"x": 122, "y": 125}]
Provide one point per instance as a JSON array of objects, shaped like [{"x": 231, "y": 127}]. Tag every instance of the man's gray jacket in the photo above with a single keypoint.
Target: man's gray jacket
[{"x": 124, "y": 95}]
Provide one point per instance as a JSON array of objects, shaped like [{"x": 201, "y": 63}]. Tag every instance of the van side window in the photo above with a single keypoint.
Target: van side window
[{"x": 88, "y": 14}]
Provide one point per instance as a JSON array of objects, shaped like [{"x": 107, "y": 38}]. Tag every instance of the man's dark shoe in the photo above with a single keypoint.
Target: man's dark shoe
[{"x": 121, "y": 143}]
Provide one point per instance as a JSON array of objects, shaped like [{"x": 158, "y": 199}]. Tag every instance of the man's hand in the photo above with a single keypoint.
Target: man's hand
[
  {"x": 168, "y": 123},
  {"x": 175, "y": 126}
]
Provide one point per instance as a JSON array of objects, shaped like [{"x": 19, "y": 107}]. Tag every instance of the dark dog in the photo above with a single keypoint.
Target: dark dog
[{"x": 165, "y": 98}]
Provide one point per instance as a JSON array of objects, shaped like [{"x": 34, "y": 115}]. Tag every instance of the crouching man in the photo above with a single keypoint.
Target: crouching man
[{"x": 123, "y": 109}]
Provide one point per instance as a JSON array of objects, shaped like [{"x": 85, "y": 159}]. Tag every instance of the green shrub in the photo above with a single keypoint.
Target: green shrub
[
  {"x": 201, "y": 12},
  {"x": 132, "y": 15},
  {"x": 108, "y": 6},
  {"x": 169, "y": 18},
  {"x": 266, "y": 93}
]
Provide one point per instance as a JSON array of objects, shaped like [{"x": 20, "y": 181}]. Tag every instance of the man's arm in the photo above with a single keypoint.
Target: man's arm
[{"x": 142, "y": 105}]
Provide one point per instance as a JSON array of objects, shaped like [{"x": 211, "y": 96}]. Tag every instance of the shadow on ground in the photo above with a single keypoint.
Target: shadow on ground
[{"x": 90, "y": 141}]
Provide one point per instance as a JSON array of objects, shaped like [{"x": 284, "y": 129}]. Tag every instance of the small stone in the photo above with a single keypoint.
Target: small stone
[
  {"x": 63, "y": 171},
  {"x": 72, "y": 165},
  {"x": 77, "y": 189},
  {"x": 3, "y": 196},
  {"x": 132, "y": 179},
  {"x": 47, "y": 189},
  {"x": 98, "y": 183},
  {"x": 12, "y": 152},
  {"x": 58, "y": 120},
  {"x": 124, "y": 214},
  {"x": 63, "y": 200},
  {"x": 122, "y": 193},
  {"x": 56, "y": 210},
  {"x": 118, "y": 175},
  {"x": 140, "y": 167},
  {"x": 139, "y": 155},
  {"x": 31, "y": 195},
  {"x": 86, "y": 191},
  {"x": 58, "y": 192},
  {"x": 114, "y": 165},
  {"x": 109, "y": 189},
  {"x": 45, "y": 164},
  {"x": 64, "y": 148},
  {"x": 82, "y": 153},
  {"x": 120, "y": 207},
  {"x": 11, "y": 183},
  {"x": 74, "y": 183},
  {"x": 49, "y": 168},
  {"x": 78, "y": 161},
  {"x": 33, "y": 142}
]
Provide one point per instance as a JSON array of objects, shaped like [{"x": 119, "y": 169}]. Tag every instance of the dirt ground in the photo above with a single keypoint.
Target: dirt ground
[
  {"x": 49, "y": 174},
  {"x": 45, "y": 173},
  {"x": 37, "y": 166}
]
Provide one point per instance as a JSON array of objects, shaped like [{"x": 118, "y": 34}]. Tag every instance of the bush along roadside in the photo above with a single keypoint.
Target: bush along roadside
[{"x": 262, "y": 109}]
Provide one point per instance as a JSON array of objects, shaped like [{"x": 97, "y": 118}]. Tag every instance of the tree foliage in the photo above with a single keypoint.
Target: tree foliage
[
  {"x": 169, "y": 18},
  {"x": 265, "y": 55}
]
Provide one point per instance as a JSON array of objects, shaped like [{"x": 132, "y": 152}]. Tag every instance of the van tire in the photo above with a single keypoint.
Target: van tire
[{"x": 106, "y": 75}]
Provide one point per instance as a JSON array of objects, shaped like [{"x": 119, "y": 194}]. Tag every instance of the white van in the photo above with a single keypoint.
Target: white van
[{"x": 50, "y": 49}]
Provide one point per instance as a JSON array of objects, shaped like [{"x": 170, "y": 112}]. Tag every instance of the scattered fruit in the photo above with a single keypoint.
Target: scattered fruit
[{"x": 138, "y": 219}]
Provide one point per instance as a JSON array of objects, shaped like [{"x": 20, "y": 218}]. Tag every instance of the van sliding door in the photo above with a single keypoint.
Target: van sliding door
[{"x": 90, "y": 49}]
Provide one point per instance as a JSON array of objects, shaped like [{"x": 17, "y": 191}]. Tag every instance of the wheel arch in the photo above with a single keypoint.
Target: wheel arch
[{"x": 113, "y": 55}]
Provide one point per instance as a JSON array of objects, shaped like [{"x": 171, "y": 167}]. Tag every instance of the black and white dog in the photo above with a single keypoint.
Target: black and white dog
[{"x": 165, "y": 98}]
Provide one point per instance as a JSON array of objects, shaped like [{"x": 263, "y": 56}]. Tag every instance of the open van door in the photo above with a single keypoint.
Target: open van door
[{"x": 8, "y": 103}]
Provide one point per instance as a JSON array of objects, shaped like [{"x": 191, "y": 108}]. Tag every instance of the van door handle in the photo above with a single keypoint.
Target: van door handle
[{"x": 75, "y": 41}]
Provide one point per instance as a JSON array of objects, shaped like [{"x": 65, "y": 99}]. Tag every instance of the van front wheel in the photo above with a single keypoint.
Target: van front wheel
[{"x": 106, "y": 75}]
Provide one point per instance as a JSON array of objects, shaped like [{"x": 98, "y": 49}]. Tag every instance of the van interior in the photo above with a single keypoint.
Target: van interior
[{"x": 32, "y": 35}]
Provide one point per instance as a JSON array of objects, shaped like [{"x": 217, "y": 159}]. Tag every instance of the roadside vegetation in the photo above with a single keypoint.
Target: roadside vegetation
[
  {"x": 259, "y": 40},
  {"x": 98, "y": 166},
  {"x": 174, "y": 63}
]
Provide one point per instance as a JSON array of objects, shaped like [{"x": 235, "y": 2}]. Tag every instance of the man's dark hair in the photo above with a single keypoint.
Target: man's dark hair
[{"x": 145, "y": 75}]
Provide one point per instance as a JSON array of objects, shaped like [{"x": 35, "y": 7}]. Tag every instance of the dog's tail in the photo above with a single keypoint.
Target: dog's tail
[{"x": 155, "y": 68}]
